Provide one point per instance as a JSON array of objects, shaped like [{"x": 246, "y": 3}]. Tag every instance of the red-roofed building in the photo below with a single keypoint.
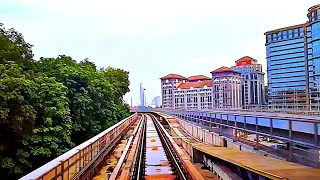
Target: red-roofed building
[
  {"x": 173, "y": 76},
  {"x": 168, "y": 84},
  {"x": 199, "y": 84},
  {"x": 226, "y": 91},
  {"x": 193, "y": 95},
  {"x": 253, "y": 88},
  {"x": 198, "y": 78},
  {"x": 246, "y": 60},
  {"x": 223, "y": 69},
  {"x": 201, "y": 92}
]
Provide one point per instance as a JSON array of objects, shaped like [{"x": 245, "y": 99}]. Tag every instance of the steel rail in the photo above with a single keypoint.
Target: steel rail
[
  {"x": 169, "y": 151},
  {"x": 126, "y": 150},
  {"x": 140, "y": 158}
]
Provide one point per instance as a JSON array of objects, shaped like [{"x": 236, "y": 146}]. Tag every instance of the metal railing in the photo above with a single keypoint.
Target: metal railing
[
  {"x": 283, "y": 109},
  {"x": 75, "y": 163}
]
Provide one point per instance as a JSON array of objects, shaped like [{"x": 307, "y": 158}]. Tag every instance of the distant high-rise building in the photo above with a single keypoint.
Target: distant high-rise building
[
  {"x": 168, "y": 84},
  {"x": 226, "y": 91},
  {"x": 157, "y": 101},
  {"x": 293, "y": 58},
  {"x": 253, "y": 92},
  {"x": 142, "y": 97}
]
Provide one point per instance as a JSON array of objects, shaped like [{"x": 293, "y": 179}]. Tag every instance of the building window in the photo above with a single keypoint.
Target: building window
[
  {"x": 301, "y": 32},
  {"x": 284, "y": 34},
  {"x": 269, "y": 37},
  {"x": 279, "y": 35},
  {"x": 191, "y": 88},
  {"x": 296, "y": 33},
  {"x": 205, "y": 87},
  {"x": 290, "y": 33},
  {"x": 274, "y": 36}
]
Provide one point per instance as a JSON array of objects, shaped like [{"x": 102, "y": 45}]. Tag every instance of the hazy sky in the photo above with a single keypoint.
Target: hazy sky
[{"x": 149, "y": 38}]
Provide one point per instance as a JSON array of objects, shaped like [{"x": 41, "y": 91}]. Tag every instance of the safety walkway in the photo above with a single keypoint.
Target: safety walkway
[{"x": 265, "y": 166}]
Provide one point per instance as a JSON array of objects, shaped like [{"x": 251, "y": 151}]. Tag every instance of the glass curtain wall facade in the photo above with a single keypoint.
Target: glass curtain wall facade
[
  {"x": 313, "y": 45},
  {"x": 293, "y": 63}
]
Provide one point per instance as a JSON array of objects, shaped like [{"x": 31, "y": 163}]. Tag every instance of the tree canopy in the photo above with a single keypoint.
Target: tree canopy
[{"x": 50, "y": 105}]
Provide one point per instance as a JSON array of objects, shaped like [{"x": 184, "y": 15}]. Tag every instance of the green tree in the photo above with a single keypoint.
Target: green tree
[
  {"x": 13, "y": 46},
  {"x": 34, "y": 119},
  {"x": 95, "y": 97},
  {"x": 50, "y": 105}
]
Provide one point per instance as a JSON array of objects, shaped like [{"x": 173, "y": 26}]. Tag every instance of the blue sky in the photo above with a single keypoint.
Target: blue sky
[{"x": 151, "y": 39}]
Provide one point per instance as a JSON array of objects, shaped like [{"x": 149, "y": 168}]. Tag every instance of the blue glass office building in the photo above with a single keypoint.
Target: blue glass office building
[
  {"x": 293, "y": 62},
  {"x": 313, "y": 51}
]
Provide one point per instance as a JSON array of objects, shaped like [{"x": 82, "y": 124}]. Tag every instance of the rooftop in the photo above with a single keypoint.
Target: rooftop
[
  {"x": 223, "y": 69},
  {"x": 198, "y": 77},
  {"x": 245, "y": 58},
  {"x": 314, "y": 7},
  {"x": 198, "y": 84},
  {"x": 173, "y": 76},
  {"x": 285, "y": 28}
]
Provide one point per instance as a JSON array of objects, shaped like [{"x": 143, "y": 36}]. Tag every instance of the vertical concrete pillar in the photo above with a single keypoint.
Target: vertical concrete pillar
[{"x": 196, "y": 156}]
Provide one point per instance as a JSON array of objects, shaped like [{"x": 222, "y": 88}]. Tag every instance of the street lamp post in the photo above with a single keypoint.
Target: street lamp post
[{"x": 145, "y": 97}]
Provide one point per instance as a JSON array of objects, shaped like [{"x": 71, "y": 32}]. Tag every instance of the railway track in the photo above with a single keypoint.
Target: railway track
[
  {"x": 160, "y": 157},
  {"x": 151, "y": 153},
  {"x": 175, "y": 161}
]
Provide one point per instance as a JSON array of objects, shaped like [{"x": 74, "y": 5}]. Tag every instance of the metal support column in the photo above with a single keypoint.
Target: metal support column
[
  {"x": 290, "y": 142},
  {"x": 271, "y": 126},
  {"x": 245, "y": 122},
  {"x": 220, "y": 124},
  {"x": 316, "y": 130}
]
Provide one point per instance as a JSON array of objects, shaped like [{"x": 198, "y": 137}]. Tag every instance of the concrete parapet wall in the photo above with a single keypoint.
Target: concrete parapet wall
[{"x": 208, "y": 137}]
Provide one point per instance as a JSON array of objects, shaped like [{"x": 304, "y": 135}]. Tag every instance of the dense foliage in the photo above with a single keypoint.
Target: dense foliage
[{"x": 49, "y": 106}]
